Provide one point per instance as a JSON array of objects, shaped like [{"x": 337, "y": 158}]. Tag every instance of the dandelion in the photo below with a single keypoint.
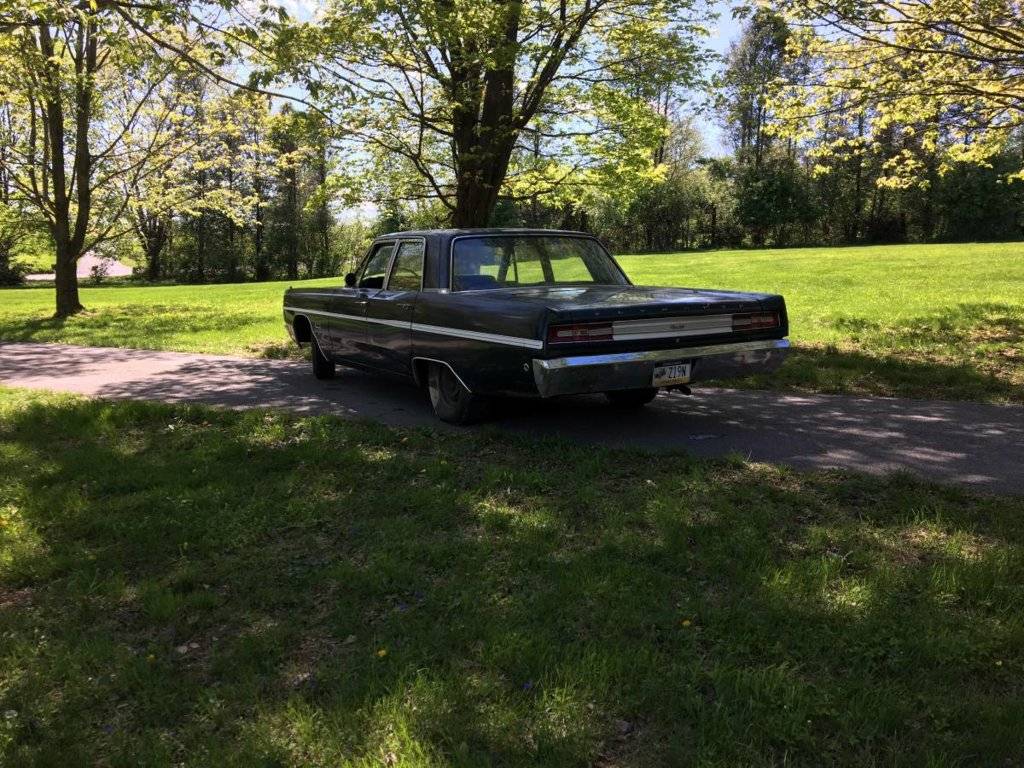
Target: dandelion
[
  {"x": 382, "y": 652},
  {"x": 687, "y": 622}
]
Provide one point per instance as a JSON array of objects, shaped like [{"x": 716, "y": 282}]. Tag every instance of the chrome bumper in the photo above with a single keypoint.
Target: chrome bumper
[{"x": 634, "y": 370}]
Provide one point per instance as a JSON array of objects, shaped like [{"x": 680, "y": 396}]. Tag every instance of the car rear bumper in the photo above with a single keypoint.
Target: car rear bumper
[{"x": 580, "y": 374}]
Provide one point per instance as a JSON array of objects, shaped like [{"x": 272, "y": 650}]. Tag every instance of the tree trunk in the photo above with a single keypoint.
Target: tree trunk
[
  {"x": 152, "y": 230},
  {"x": 232, "y": 253},
  {"x": 154, "y": 268},
  {"x": 293, "y": 224},
  {"x": 483, "y": 131},
  {"x": 69, "y": 232},
  {"x": 200, "y": 266},
  {"x": 323, "y": 218},
  {"x": 261, "y": 268},
  {"x": 66, "y": 278},
  {"x": 479, "y": 181}
]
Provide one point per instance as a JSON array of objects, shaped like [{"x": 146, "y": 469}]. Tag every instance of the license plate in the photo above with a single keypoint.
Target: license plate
[{"x": 671, "y": 373}]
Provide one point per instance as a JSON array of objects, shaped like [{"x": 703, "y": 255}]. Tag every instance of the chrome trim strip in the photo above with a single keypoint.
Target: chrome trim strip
[
  {"x": 459, "y": 333},
  {"x": 671, "y": 327},
  {"x": 327, "y": 295},
  {"x": 662, "y": 354},
  {"x": 360, "y": 318},
  {"x": 446, "y": 365},
  {"x": 496, "y": 338}
]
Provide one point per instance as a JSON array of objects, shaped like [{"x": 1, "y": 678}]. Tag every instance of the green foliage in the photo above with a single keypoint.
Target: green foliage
[
  {"x": 460, "y": 101},
  {"x": 774, "y": 197},
  {"x": 933, "y": 84},
  {"x": 469, "y": 599}
]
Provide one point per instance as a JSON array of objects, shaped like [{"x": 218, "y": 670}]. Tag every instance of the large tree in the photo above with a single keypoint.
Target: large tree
[
  {"x": 465, "y": 100},
  {"x": 86, "y": 124}
]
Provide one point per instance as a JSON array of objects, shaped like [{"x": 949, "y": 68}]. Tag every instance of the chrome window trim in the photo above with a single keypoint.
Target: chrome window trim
[
  {"x": 573, "y": 235},
  {"x": 423, "y": 260},
  {"x": 369, "y": 254}
]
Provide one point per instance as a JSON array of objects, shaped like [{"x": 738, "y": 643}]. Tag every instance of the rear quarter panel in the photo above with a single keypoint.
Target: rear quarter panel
[{"x": 489, "y": 343}]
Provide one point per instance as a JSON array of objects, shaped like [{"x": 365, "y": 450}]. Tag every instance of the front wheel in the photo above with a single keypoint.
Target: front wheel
[
  {"x": 323, "y": 367},
  {"x": 451, "y": 400},
  {"x": 631, "y": 398}
]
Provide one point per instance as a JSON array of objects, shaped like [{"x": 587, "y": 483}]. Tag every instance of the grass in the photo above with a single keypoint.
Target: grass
[
  {"x": 231, "y": 319},
  {"x": 932, "y": 321},
  {"x": 180, "y": 585}
]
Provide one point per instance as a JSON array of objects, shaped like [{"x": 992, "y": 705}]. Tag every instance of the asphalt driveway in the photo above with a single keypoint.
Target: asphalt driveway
[{"x": 974, "y": 444}]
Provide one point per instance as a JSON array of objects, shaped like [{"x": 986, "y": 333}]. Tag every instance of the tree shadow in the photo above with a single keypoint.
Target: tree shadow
[
  {"x": 263, "y": 589},
  {"x": 970, "y": 352},
  {"x": 157, "y": 326}
]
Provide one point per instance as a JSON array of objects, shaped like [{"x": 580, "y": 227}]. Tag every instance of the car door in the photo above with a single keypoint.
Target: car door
[
  {"x": 389, "y": 310},
  {"x": 346, "y": 325}
]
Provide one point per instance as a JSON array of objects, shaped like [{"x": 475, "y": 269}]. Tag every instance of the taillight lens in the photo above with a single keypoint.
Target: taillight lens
[
  {"x": 755, "y": 320},
  {"x": 574, "y": 333}
]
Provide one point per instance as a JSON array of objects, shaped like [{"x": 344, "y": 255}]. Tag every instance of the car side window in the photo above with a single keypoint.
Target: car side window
[
  {"x": 407, "y": 269},
  {"x": 376, "y": 267}
]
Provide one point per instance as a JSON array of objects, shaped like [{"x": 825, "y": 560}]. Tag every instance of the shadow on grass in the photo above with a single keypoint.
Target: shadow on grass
[
  {"x": 262, "y": 589},
  {"x": 964, "y": 324},
  {"x": 149, "y": 327},
  {"x": 972, "y": 352}
]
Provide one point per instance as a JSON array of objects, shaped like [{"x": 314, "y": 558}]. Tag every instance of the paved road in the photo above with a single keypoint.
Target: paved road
[{"x": 978, "y": 445}]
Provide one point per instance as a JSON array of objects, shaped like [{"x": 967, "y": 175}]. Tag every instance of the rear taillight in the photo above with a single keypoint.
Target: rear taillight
[
  {"x": 755, "y": 320},
  {"x": 575, "y": 333}
]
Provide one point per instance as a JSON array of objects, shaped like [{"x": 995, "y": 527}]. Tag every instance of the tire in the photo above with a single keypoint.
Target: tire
[
  {"x": 452, "y": 402},
  {"x": 631, "y": 398},
  {"x": 323, "y": 368}
]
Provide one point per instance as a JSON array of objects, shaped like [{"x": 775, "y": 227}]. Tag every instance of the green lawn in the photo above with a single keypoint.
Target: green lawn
[
  {"x": 188, "y": 586},
  {"x": 941, "y": 321}
]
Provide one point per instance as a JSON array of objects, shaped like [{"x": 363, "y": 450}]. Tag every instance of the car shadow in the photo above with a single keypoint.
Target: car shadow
[{"x": 977, "y": 444}]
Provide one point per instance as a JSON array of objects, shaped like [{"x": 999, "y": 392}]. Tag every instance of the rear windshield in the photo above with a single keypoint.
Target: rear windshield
[{"x": 500, "y": 261}]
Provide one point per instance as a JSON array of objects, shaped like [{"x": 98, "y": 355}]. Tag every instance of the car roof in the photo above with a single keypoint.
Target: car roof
[{"x": 483, "y": 231}]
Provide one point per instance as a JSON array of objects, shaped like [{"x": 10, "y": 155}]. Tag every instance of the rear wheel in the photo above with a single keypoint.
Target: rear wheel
[
  {"x": 631, "y": 398},
  {"x": 451, "y": 400},
  {"x": 323, "y": 367}
]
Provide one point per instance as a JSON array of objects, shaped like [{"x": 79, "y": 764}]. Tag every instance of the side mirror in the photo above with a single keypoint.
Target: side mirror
[{"x": 350, "y": 280}]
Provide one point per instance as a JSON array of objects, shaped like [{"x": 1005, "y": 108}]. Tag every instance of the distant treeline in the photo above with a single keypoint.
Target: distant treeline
[{"x": 238, "y": 188}]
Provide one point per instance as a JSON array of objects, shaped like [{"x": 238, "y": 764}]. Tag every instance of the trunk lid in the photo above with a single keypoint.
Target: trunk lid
[
  {"x": 599, "y": 302},
  {"x": 640, "y": 317}
]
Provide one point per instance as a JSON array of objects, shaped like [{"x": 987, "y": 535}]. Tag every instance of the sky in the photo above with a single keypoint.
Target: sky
[{"x": 725, "y": 32}]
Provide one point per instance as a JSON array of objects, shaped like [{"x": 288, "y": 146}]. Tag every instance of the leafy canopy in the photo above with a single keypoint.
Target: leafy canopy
[
  {"x": 939, "y": 78},
  {"x": 457, "y": 100}
]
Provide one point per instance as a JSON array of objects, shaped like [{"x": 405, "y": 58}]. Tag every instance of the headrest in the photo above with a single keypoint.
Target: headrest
[{"x": 474, "y": 282}]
